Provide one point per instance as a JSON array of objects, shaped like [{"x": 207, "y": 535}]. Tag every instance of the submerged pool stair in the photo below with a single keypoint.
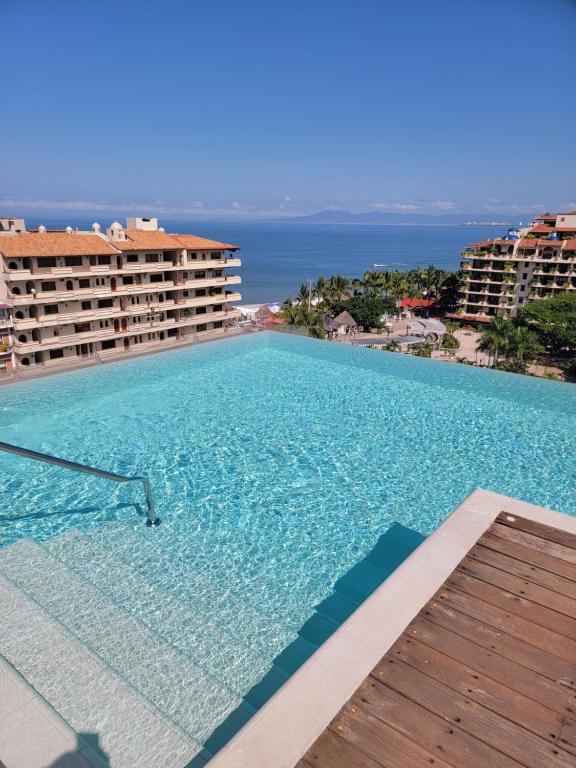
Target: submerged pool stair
[{"x": 163, "y": 670}]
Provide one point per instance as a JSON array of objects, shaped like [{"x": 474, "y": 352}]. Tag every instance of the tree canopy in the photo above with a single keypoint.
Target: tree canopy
[
  {"x": 366, "y": 309},
  {"x": 554, "y": 321}
]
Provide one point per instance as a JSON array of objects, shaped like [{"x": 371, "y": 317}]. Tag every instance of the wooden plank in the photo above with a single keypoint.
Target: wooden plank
[
  {"x": 430, "y": 731},
  {"x": 524, "y": 570},
  {"x": 506, "y": 702},
  {"x": 562, "y": 629},
  {"x": 527, "y": 555},
  {"x": 332, "y": 751},
  {"x": 502, "y": 643},
  {"x": 534, "y": 542},
  {"x": 547, "y": 532},
  {"x": 471, "y": 717},
  {"x": 386, "y": 745},
  {"x": 521, "y": 587},
  {"x": 485, "y": 661},
  {"x": 559, "y": 647}
]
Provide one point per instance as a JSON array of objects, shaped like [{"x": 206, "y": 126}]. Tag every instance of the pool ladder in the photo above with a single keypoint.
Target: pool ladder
[{"x": 152, "y": 519}]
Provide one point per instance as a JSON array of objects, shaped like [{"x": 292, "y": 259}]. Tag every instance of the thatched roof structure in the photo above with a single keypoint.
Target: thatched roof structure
[{"x": 345, "y": 318}]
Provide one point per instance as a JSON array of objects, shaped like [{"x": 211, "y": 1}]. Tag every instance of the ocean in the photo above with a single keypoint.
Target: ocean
[{"x": 278, "y": 256}]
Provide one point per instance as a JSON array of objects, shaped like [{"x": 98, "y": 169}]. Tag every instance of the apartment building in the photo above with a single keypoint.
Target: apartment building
[
  {"x": 535, "y": 262},
  {"x": 81, "y": 296},
  {"x": 7, "y": 360}
]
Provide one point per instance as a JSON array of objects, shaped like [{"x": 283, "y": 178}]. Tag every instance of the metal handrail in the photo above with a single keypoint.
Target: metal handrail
[{"x": 151, "y": 518}]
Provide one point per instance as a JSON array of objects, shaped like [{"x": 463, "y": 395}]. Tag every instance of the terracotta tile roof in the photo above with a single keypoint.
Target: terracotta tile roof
[
  {"x": 541, "y": 228},
  {"x": 406, "y": 302},
  {"x": 546, "y": 217},
  {"x": 195, "y": 243},
  {"x": 54, "y": 244},
  {"x": 141, "y": 240},
  {"x": 528, "y": 242},
  {"x": 565, "y": 229},
  {"x": 483, "y": 244},
  {"x": 569, "y": 245}
]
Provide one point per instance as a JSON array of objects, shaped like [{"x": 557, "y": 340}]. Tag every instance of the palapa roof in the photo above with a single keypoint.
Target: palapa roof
[{"x": 345, "y": 318}]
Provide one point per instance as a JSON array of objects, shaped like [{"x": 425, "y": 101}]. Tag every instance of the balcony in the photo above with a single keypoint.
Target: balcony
[
  {"x": 67, "y": 318},
  {"x": 114, "y": 268},
  {"x": 100, "y": 292},
  {"x": 73, "y": 339}
]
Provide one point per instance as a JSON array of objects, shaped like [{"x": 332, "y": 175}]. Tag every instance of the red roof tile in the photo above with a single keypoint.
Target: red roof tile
[
  {"x": 54, "y": 244},
  {"x": 195, "y": 243}
]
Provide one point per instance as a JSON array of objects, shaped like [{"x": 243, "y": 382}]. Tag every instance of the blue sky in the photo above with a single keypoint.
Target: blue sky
[{"x": 253, "y": 108}]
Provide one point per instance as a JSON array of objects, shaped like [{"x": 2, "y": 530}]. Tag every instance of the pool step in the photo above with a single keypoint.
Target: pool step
[
  {"x": 151, "y": 553},
  {"x": 83, "y": 689},
  {"x": 224, "y": 656},
  {"x": 228, "y": 582},
  {"x": 163, "y": 674}
]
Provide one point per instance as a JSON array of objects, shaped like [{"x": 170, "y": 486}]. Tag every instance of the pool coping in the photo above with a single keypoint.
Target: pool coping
[{"x": 280, "y": 733}]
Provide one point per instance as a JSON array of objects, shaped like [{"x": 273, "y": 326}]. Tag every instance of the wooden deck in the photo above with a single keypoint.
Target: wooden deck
[{"x": 484, "y": 676}]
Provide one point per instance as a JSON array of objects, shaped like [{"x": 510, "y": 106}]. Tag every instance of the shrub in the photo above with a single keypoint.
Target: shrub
[
  {"x": 450, "y": 342},
  {"x": 422, "y": 350}
]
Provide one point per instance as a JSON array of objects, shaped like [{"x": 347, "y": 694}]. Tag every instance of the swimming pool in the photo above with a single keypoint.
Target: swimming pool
[{"x": 277, "y": 463}]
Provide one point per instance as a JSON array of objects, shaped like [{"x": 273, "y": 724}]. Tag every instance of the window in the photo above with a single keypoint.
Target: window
[
  {"x": 103, "y": 303},
  {"x": 217, "y": 308},
  {"x": 132, "y": 258},
  {"x": 84, "y": 283},
  {"x": 192, "y": 256},
  {"x": 201, "y": 327},
  {"x": 109, "y": 344},
  {"x": 103, "y": 259},
  {"x": 156, "y": 278},
  {"x": 522, "y": 288},
  {"x": 521, "y": 300},
  {"x": 46, "y": 262},
  {"x": 525, "y": 276},
  {"x": 128, "y": 280},
  {"x": 151, "y": 258},
  {"x": 55, "y": 353},
  {"x": 73, "y": 261},
  {"x": 201, "y": 310},
  {"x": 199, "y": 275},
  {"x": 215, "y": 255},
  {"x": 82, "y": 327},
  {"x": 201, "y": 292},
  {"x": 51, "y": 286},
  {"x": 86, "y": 305},
  {"x": 51, "y": 309},
  {"x": 217, "y": 324},
  {"x": 217, "y": 273}
]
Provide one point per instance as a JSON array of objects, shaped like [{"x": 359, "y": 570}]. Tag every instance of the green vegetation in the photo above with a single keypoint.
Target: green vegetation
[
  {"x": 422, "y": 350},
  {"x": 375, "y": 294},
  {"x": 510, "y": 345},
  {"x": 366, "y": 309},
  {"x": 554, "y": 322}
]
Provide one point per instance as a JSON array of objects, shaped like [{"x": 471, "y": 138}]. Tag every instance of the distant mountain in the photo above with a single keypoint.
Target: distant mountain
[{"x": 382, "y": 217}]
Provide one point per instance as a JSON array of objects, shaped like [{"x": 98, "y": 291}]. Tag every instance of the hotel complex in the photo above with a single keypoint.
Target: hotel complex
[
  {"x": 81, "y": 296},
  {"x": 532, "y": 263}
]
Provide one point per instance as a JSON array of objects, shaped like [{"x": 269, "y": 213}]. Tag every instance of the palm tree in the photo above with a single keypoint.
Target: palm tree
[
  {"x": 339, "y": 287},
  {"x": 496, "y": 338},
  {"x": 303, "y": 295},
  {"x": 524, "y": 345},
  {"x": 374, "y": 282}
]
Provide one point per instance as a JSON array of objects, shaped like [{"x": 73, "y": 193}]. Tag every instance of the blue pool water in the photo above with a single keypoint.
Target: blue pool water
[{"x": 277, "y": 464}]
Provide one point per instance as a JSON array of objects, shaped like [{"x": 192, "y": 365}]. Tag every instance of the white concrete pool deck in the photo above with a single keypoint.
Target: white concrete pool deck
[{"x": 289, "y": 723}]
